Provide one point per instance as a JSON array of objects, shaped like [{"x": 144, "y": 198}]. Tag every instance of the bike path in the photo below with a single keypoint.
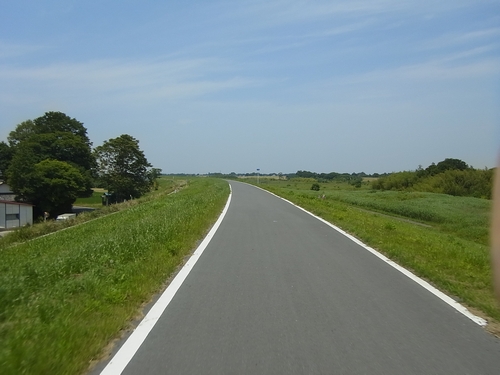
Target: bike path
[{"x": 279, "y": 292}]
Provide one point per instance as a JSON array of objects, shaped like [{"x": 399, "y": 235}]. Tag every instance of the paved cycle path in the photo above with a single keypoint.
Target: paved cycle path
[{"x": 279, "y": 292}]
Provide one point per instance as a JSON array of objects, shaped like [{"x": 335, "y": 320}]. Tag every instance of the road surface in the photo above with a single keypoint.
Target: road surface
[{"x": 279, "y": 292}]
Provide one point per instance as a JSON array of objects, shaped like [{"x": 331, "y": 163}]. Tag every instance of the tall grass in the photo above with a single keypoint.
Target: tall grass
[
  {"x": 64, "y": 297},
  {"x": 464, "y": 217}
]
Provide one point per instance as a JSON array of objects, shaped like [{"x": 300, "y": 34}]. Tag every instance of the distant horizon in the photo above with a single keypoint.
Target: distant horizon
[{"x": 319, "y": 172}]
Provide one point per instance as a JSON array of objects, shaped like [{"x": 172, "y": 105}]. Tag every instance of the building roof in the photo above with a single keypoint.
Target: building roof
[{"x": 17, "y": 203}]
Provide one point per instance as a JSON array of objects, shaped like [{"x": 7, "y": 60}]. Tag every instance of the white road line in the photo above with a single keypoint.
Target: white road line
[
  {"x": 450, "y": 301},
  {"x": 130, "y": 347}
]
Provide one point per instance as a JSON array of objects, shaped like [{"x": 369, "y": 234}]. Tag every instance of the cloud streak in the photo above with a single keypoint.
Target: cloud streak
[
  {"x": 173, "y": 79},
  {"x": 10, "y": 50}
]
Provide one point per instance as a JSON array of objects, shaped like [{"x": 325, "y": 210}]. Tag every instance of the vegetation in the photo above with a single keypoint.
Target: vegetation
[
  {"x": 64, "y": 297},
  {"x": 49, "y": 163},
  {"x": 95, "y": 200},
  {"x": 6, "y": 154},
  {"x": 450, "y": 176},
  {"x": 442, "y": 238},
  {"x": 315, "y": 187},
  {"x": 122, "y": 168}
]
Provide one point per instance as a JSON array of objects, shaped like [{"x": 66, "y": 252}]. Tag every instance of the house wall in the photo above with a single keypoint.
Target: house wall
[
  {"x": 2, "y": 215},
  {"x": 13, "y": 215},
  {"x": 26, "y": 215}
]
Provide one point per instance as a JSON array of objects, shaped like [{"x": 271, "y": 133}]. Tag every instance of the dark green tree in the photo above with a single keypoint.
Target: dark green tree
[
  {"x": 55, "y": 137},
  {"x": 452, "y": 164},
  {"x": 50, "y": 185},
  {"x": 122, "y": 167},
  {"x": 442, "y": 166},
  {"x": 6, "y": 154},
  {"x": 65, "y": 140},
  {"x": 22, "y": 131},
  {"x": 54, "y": 122}
]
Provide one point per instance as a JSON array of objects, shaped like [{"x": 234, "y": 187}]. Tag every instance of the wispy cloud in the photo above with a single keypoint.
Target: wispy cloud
[
  {"x": 9, "y": 50},
  {"x": 436, "y": 70},
  {"x": 280, "y": 12},
  {"x": 177, "y": 78},
  {"x": 432, "y": 71},
  {"x": 456, "y": 39}
]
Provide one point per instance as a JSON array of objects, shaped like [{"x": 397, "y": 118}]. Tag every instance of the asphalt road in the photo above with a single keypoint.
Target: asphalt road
[{"x": 280, "y": 292}]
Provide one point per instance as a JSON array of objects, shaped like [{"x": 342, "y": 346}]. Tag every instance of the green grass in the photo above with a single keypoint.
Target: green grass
[
  {"x": 21, "y": 235},
  {"x": 93, "y": 201},
  {"x": 465, "y": 217},
  {"x": 64, "y": 297},
  {"x": 452, "y": 253}
]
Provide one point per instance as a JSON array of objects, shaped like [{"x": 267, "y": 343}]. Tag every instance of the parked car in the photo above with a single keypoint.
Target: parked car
[{"x": 66, "y": 216}]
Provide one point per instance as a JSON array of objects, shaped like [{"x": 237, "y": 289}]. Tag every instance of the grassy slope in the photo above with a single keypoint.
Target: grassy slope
[
  {"x": 452, "y": 254},
  {"x": 63, "y": 297}
]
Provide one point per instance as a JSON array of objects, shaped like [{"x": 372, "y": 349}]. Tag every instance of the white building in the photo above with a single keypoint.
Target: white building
[{"x": 15, "y": 214}]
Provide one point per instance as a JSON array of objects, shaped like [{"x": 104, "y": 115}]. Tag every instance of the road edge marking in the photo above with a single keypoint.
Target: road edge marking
[
  {"x": 444, "y": 297},
  {"x": 125, "y": 354}
]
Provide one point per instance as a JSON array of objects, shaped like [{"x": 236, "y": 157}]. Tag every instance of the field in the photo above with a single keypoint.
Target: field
[
  {"x": 94, "y": 201},
  {"x": 65, "y": 296},
  {"x": 443, "y": 239}
]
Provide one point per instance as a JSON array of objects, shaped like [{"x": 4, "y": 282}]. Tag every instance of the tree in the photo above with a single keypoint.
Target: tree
[
  {"x": 53, "y": 122},
  {"x": 445, "y": 165},
  {"x": 123, "y": 168},
  {"x": 153, "y": 175},
  {"x": 50, "y": 185},
  {"x": 6, "y": 154},
  {"x": 22, "y": 131},
  {"x": 451, "y": 164},
  {"x": 55, "y": 136}
]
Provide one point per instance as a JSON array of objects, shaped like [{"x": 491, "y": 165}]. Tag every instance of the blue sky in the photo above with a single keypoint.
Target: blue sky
[{"x": 232, "y": 86}]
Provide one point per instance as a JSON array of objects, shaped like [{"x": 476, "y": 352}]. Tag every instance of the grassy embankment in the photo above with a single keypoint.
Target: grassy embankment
[
  {"x": 64, "y": 297},
  {"x": 451, "y": 251}
]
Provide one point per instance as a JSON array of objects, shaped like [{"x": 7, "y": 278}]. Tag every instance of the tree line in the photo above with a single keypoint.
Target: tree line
[
  {"x": 449, "y": 176},
  {"x": 354, "y": 179},
  {"x": 49, "y": 162}
]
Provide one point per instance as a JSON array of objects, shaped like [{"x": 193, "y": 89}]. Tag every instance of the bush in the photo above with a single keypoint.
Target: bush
[
  {"x": 396, "y": 181},
  {"x": 315, "y": 187},
  {"x": 467, "y": 183}
]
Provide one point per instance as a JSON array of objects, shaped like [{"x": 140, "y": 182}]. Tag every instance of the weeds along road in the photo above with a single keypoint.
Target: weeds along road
[{"x": 279, "y": 292}]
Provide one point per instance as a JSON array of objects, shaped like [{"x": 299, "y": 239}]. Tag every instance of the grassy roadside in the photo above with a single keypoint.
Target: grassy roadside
[
  {"x": 63, "y": 297},
  {"x": 452, "y": 253},
  {"x": 40, "y": 229}
]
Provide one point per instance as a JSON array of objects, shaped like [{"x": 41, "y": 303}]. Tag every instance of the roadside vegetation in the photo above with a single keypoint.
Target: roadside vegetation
[
  {"x": 440, "y": 237},
  {"x": 450, "y": 176},
  {"x": 65, "y": 296}
]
